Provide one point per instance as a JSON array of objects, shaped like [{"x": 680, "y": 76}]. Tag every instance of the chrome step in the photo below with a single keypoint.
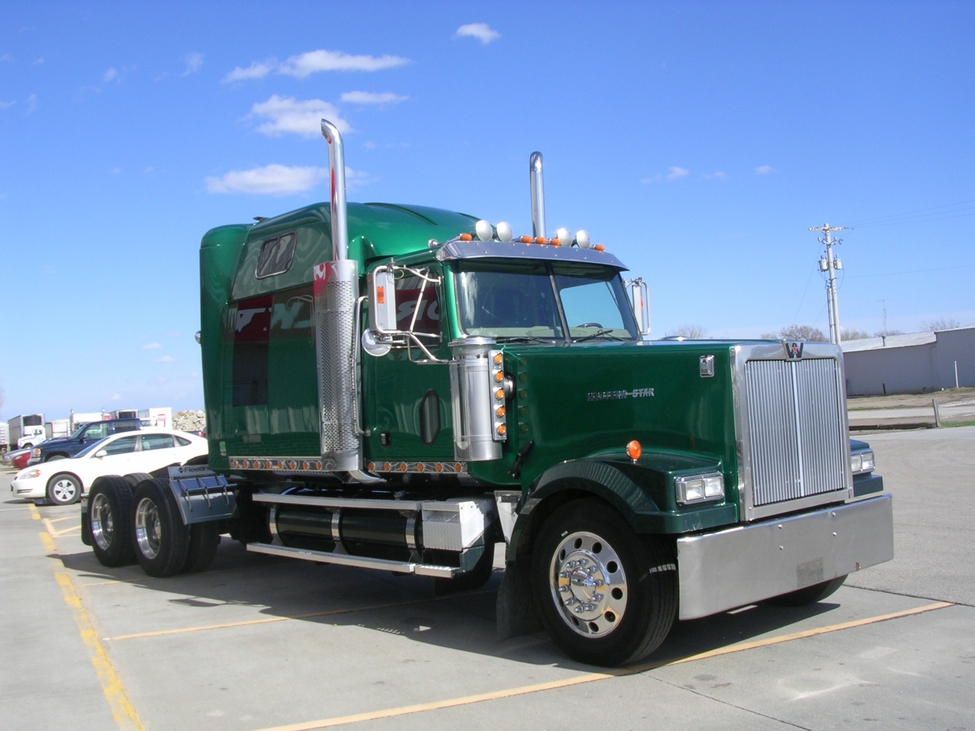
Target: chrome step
[{"x": 361, "y": 562}]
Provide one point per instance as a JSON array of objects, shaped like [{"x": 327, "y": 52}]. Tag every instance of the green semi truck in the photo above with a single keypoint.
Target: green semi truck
[{"x": 402, "y": 388}]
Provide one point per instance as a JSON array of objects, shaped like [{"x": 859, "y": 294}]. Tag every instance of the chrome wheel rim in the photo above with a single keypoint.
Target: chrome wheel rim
[
  {"x": 147, "y": 528},
  {"x": 588, "y": 584},
  {"x": 102, "y": 522}
]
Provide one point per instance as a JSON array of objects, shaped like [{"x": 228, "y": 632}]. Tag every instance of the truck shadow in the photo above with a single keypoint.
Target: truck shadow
[{"x": 287, "y": 590}]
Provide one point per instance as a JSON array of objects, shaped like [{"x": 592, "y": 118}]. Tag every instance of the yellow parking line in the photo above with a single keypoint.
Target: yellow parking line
[
  {"x": 122, "y": 710},
  {"x": 590, "y": 677},
  {"x": 34, "y": 512}
]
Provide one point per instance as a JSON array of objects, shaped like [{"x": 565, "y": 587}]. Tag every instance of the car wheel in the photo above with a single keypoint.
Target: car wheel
[
  {"x": 109, "y": 512},
  {"x": 64, "y": 489},
  {"x": 159, "y": 537},
  {"x": 606, "y": 595},
  {"x": 54, "y": 457},
  {"x": 810, "y": 594}
]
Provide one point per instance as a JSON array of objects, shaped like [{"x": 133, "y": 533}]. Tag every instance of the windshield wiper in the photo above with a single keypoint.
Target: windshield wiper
[
  {"x": 522, "y": 339},
  {"x": 598, "y": 334}
]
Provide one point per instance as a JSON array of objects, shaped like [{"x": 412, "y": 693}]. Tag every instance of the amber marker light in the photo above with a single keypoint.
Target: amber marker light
[
  {"x": 599, "y": 247},
  {"x": 526, "y": 239},
  {"x": 500, "y": 412},
  {"x": 499, "y": 394},
  {"x": 634, "y": 450},
  {"x": 466, "y": 237},
  {"x": 499, "y": 376},
  {"x": 498, "y": 359}
]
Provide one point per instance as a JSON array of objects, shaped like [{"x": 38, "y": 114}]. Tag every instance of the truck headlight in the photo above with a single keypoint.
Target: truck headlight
[
  {"x": 862, "y": 462},
  {"x": 699, "y": 488}
]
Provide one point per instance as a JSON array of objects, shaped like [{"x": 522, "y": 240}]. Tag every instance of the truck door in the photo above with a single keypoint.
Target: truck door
[{"x": 406, "y": 393}]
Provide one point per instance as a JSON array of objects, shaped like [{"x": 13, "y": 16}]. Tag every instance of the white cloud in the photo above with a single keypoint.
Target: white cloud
[
  {"x": 6, "y": 105},
  {"x": 116, "y": 397},
  {"x": 39, "y": 62},
  {"x": 481, "y": 31},
  {"x": 312, "y": 62},
  {"x": 268, "y": 180},
  {"x": 676, "y": 173},
  {"x": 764, "y": 170},
  {"x": 110, "y": 75},
  {"x": 7, "y": 58},
  {"x": 287, "y": 115},
  {"x": 370, "y": 97},
  {"x": 165, "y": 359},
  {"x": 31, "y": 103},
  {"x": 719, "y": 175},
  {"x": 152, "y": 346},
  {"x": 194, "y": 62},
  {"x": 305, "y": 64},
  {"x": 254, "y": 71}
]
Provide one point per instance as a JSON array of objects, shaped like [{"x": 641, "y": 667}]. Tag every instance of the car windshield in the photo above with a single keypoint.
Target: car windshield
[
  {"x": 543, "y": 302},
  {"x": 93, "y": 447}
]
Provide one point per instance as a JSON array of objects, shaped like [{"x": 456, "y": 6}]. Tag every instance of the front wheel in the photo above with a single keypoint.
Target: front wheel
[
  {"x": 606, "y": 595},
  {"x": 64, "y": 489}
]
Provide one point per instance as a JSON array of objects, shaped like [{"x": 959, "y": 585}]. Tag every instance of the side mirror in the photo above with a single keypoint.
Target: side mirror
[
  {"x": 382, "y": 312},
  {"x": 101, "y": 453}
]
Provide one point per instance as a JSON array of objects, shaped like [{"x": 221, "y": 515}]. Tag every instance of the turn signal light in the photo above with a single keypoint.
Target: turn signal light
[{"x": 634, "y": 450}]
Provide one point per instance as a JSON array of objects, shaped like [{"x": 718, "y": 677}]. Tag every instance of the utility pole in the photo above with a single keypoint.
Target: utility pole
[{"x": 830, "y": 264}]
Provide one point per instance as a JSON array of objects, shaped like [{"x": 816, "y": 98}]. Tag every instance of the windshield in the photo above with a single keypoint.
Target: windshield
[{"x": 543, "y": 301}]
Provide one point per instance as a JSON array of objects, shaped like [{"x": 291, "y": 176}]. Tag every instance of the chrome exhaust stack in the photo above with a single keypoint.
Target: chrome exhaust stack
[
  {"x": 336, "y": 295},
  {"x": 538, "y": 194},
  {"x": 336, "y": 176}
]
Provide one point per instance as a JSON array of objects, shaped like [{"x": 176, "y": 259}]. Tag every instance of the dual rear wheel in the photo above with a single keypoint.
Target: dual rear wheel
[{"x": 142, "y": 523}]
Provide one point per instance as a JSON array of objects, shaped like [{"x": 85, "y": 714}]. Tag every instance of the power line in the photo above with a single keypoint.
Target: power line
[{"x": 921, "y": 215}]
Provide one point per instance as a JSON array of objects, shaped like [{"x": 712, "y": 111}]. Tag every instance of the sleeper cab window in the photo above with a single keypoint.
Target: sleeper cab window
[{"x": 276, "y": 255}]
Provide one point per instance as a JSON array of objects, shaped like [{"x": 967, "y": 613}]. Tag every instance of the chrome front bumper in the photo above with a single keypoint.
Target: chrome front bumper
[{"x": 748, "y": 563}]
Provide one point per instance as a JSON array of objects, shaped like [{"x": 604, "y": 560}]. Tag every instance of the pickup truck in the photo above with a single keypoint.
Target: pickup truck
[{"x": 83, "y": 436}]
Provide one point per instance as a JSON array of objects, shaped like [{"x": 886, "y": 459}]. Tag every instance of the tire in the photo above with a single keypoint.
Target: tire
[
  {"x": 204, "y": 539},
  {"x": 64, "y": 489},
  {"x": 586, "y": 545},
  {"x": 109, "y": 513},
  {"x": 809, "y": 594},
  {"x": 135, "y": 478},
  {"x": 159, "y": 537},
  {"x": 55, "y": 456}
]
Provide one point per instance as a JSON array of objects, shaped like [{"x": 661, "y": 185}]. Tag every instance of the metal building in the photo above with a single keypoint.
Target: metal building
[{"x": 912, "y": 363}]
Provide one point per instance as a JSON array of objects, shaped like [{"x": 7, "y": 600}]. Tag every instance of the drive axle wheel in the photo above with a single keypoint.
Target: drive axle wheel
[
  {"x": 606, "y": 595},
  {"x": 109, "y": 512},
  {"x": 159, "y": 537}
]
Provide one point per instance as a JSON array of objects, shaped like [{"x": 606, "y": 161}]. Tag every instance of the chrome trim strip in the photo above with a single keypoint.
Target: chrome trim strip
[
  {"x": 362, "y": 562},
  {"x": 336, "y": 502}
]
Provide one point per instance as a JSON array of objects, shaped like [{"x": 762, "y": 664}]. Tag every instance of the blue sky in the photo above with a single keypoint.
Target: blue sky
[{"x": 699, "y": 141}]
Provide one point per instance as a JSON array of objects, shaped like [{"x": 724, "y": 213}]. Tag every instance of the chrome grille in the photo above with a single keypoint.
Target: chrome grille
[{"x": 796, "y": 444}]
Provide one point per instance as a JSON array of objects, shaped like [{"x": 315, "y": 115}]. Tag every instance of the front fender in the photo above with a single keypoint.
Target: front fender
[{"x": 642, "y": 492}]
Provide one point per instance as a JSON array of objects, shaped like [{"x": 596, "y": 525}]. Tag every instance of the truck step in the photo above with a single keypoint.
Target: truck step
[{"x": 362, "y": 562}]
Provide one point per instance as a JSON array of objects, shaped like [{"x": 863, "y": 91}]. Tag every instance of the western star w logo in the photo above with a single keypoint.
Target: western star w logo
[{"x": 793, "y": 351}]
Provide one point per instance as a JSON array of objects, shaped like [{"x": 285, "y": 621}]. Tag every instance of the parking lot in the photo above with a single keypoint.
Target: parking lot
[{"x": 259, "y": 642}]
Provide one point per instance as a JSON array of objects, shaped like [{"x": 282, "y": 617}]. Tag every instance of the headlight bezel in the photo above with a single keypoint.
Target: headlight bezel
[
  {"x": 706, "y": 487},
  {"x": 863, "y": 462}
]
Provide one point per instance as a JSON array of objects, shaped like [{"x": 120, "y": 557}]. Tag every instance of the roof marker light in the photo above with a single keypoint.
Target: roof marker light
[
  {"x": 466, "y": 237},
  {"x": 582, "y": 239},
  {"x": 541, "y": 240},
  {"x": 504, "y": 231},
  {"x": 526, "y": 239},
  {"x": 599, "y": 247},
  {"x": 484, "y": 230}
]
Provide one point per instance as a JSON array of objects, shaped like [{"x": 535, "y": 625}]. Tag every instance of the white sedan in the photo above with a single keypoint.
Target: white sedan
[{"x": 64, "y": 481}]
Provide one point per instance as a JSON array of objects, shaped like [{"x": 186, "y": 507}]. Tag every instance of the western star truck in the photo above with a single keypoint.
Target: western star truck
[{"x": 401, "y": 388}]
